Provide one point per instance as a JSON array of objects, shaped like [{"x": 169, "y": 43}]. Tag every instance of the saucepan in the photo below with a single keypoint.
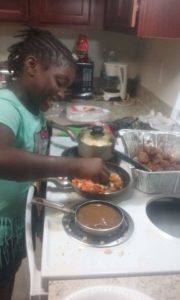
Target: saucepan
[
  {"x": 108, "y": 195},
  {"x": 98, "y": 218},
  {"x": 97, "y": 141}
]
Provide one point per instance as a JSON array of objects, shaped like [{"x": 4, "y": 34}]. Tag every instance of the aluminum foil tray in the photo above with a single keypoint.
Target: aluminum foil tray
[{"x": 153, "y": 182}]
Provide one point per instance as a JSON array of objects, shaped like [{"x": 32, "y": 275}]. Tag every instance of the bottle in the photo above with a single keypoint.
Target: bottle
[
  {"x": 112, "y": 56},
  {"x": 109, "y": 83},
  {"x": 102, "y": 73},
  {"x": 81, "y": 48}
]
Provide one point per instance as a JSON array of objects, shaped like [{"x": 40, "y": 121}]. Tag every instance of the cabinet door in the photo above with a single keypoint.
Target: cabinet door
[
  {"x": 14, "y": 10},
  {"x": 120, "y": 14},
  {"x": 159, "y": 18},
  {"x": 69, "y": 12}
]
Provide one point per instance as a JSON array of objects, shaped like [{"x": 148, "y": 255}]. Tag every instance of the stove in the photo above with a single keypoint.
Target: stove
[
  {"x": 66, "y": 254},
  {"x": 119, "y": 237},
  {"x": 73, "y": 152},
  {"x": 128, "y": 123}
]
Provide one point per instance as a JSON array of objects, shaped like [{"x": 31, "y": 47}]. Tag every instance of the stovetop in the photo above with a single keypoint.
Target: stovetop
[
  {"x": 119, "y": 237},
  {"x": 129, "y": 123},
  {"x": 147, "y": 251}
]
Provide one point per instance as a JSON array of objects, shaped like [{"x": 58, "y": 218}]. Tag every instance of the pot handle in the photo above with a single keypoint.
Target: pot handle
[
  {"x": 55, "y": 205},
  {"x": 69, "y": 132}
]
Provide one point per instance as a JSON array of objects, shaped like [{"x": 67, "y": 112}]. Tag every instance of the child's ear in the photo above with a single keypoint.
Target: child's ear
[{"x": 30, "y": 65}]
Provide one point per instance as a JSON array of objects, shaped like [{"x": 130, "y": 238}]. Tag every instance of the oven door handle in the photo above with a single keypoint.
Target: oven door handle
[{"x": 36, "y": 288}]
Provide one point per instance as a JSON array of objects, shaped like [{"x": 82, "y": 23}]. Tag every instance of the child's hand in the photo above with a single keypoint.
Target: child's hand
[{"x": 92, "y": 168}]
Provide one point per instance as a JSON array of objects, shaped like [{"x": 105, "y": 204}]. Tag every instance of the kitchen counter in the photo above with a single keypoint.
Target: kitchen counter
[
  {"x": 132, "y": 107},
  {"x": 158, "y": 287}
]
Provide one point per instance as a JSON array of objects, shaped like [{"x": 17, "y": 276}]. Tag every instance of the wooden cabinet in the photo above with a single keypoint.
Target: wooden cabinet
[
  {"x": 14, "y": 10},
  {"x": 120, "y": 14},
  {"x": 159, "y": 18},
  {"x": 145, "y": 18},
  {"x": 73, "y": 13},
  {"x": 60, "y": 11},
  {"x": 84, "y": 13}
]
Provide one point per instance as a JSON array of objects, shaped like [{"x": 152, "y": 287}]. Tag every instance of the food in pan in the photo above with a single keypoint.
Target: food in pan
[
  {"x": 115, "y": 183},
  {"x": 157, "y": 160},
  {"x": 98, "y": 215},
  {"x": 88, "y": 109}
]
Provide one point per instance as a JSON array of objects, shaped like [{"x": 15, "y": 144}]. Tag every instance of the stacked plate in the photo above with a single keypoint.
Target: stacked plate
[{"x": 108, "y": 292}]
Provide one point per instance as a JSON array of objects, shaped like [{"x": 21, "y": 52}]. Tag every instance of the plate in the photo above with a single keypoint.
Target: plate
[
  {"x": 108, "y": 292},
  {"x": 86, "y": 113}
]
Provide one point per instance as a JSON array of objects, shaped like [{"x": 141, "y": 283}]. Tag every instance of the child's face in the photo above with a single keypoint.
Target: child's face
[{"x": 45, "y": 85}]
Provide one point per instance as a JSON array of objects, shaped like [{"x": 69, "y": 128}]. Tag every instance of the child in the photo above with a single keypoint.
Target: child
[{"x": 42, "y": 68}]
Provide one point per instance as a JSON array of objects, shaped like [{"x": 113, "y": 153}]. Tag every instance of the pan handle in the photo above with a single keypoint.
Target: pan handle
[
  {"x": 69, "y": 132},
  {"x": 62, "y": 183},
  {"x": 55, "y": 205}
]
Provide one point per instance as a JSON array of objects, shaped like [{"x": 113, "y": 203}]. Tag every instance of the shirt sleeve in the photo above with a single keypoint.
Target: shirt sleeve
[{"x": 10, "y": 116}]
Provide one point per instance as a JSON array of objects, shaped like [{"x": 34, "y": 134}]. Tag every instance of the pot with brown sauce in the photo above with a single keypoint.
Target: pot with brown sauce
[
  {"x": 95, "y": 217},
  {"x": 99, "y": 218}
]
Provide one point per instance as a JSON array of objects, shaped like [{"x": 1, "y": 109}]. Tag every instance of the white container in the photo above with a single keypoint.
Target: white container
[{"x": 118, "y": 69}]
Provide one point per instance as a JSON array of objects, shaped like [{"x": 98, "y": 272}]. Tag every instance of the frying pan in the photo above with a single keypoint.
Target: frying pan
[
  {"x": 76, "y": 211},
  {"x": 108, "y": 195},
  {"x": 67, "y": 186}
]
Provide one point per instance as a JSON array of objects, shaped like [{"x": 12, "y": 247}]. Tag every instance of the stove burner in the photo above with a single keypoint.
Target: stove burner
[
  {"x": 73, "y": 152},
  {"x": 117, "y": 238}
]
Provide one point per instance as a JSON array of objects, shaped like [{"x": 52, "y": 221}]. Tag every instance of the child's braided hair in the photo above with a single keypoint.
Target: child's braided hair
[{"x": 40, "y": 43}]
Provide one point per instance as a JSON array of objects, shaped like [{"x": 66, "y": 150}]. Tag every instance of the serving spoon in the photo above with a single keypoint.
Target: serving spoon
[{"x": 132, "y": 162}]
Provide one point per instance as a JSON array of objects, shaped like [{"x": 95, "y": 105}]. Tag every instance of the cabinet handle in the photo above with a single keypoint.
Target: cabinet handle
[{"x": 135, "y": 9}]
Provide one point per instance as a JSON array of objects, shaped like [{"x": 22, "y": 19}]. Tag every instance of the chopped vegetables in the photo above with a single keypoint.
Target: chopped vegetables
[{"x": 87, "y": 185}]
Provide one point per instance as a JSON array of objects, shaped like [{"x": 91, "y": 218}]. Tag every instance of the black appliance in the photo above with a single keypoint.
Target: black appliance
[{"x": 82, "y": 86}]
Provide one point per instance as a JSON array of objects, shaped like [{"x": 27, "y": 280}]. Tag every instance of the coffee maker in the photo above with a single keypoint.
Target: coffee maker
[{"x": 115, "y": 81}]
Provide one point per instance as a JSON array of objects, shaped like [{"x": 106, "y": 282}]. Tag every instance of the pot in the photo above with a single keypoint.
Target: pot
[
  {"x": 96, "y": 141},
  {"x": 93, "y": 141},
  {"x": 98, "y": 218}
]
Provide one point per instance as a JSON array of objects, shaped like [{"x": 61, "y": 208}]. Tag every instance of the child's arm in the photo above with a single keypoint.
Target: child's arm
[{"x": 20, "y": 165}]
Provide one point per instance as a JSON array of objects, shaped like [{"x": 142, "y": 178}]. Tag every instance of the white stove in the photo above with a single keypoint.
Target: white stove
[{"x": 147, "y": 251}]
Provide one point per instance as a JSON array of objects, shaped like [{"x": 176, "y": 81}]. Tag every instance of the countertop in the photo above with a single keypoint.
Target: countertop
[
  {"x": 166, "y": 287},
  {"x": 132, "y": 107}
]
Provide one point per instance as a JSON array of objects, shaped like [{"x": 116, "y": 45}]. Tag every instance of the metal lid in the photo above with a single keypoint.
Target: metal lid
[{"x": 97, "y": 136}]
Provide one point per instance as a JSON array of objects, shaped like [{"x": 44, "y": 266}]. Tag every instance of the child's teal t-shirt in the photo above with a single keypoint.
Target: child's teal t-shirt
[{"x": 30, "y": 135}]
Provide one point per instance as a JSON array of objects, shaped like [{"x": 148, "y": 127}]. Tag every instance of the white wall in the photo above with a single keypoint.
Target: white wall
[
  {"x": 125, "y": 46},
  {"x": 160, "y": 67}
]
